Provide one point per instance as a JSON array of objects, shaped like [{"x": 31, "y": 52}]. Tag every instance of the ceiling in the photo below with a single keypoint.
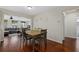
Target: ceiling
[{"x": 36, "y": 9}]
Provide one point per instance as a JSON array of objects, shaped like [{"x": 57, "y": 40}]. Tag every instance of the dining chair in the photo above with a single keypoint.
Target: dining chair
[
  {"x": 26, "y": 37},
  {"x": 37, "y": 42},
  {"x": 44, "y": 37}
]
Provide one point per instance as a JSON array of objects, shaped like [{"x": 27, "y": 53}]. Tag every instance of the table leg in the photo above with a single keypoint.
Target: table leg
[
  {"x": 45, "y": 43},
  {"x": 33, "y": 45}
]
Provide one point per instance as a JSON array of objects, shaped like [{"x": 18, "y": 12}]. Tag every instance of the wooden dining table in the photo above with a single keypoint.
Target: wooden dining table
[{"x": 34, "y": 34}]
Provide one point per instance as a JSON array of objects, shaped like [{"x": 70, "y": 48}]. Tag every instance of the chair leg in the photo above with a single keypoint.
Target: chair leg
[
  {"x": 33, "y": 45},
  {"x": 30, "y": 42},
  {"x": 45, "y": 44},
  {"x": 39, "y": 44}
]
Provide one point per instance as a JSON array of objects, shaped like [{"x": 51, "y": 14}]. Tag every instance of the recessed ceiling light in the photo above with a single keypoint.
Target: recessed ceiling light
[{"x": 29, "y": 7}]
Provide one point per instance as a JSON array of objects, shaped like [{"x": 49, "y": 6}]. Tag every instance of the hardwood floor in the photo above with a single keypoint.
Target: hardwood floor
[
  {"x": 14, "y": 43},
  {"x": 72, "y": 44}
]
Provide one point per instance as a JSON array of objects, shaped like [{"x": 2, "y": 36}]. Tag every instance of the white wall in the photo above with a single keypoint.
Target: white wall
[
  {"x": 70, "y": 25},
  {"x": 1, "y": 27},
  {"x": 77, "y": 29},
  {"x": 53, "y": 22}
]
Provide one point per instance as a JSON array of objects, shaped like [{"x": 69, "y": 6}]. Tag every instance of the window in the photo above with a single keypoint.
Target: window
[{"x": 13, "y": 21}]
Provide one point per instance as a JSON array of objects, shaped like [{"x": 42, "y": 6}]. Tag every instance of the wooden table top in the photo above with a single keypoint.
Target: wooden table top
[{"x": 33, "y": 33}]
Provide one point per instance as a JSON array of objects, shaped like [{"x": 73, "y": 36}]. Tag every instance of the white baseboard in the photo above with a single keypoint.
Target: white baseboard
[{"x": 55, "y": 40}]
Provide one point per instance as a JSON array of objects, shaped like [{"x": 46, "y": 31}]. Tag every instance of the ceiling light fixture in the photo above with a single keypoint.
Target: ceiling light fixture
[
  {"x": 11, "y": 17},
  {"x": 29, "y": 7}
]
